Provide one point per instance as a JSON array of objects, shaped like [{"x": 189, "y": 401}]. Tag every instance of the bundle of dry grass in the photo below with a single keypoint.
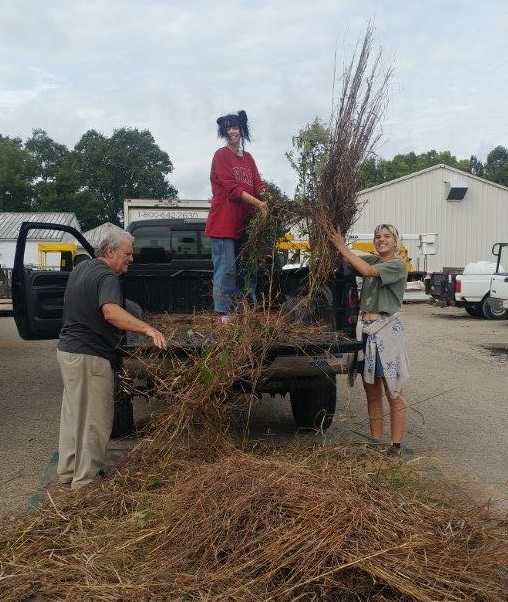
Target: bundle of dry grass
[
  {"x": 276, "y": 322},
  {"x": 279, "y": 526},
  {"x": 329, "y": 171},
  {"x": 353, "y": 133},
  {"x": 213, "y": 373},
  {"x": 329, "y": 167}
]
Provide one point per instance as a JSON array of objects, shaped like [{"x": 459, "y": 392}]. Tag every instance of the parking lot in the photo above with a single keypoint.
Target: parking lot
[{"x": 457, "y": 395}]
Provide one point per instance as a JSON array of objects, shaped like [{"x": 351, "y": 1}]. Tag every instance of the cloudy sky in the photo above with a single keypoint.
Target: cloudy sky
[{"x": 174, "y": 66}]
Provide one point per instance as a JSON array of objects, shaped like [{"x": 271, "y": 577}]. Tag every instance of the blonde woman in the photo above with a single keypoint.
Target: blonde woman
[{"x": 384, "y": 367}]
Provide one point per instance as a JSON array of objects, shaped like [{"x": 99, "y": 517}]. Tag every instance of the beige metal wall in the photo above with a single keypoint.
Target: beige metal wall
[{"x": 417, "y": 204}]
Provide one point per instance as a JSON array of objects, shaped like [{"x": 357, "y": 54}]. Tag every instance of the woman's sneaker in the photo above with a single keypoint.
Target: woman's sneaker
[{"x": 394, "y": 450}]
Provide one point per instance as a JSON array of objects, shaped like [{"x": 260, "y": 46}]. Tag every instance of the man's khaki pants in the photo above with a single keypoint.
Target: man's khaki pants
[{"x": 86, "y": 417}]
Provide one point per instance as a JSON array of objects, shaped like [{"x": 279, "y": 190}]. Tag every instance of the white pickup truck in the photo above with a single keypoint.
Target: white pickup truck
[
  {"x": 472, "y": 290},
  {"x": 469, "y": 289},
  {"x": 499, "y": 281}
]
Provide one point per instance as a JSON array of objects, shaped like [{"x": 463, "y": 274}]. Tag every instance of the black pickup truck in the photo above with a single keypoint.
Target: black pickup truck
[{"x": 172, "y": 272}]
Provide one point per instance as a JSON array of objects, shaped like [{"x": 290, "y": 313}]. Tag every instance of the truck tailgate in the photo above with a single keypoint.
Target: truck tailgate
[
  {"x": 323, "y": 344},
  {"x": 185, "y": 344}
]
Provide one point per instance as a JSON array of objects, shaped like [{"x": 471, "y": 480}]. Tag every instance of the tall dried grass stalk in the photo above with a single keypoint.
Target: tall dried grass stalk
[
  {"x": 332, "y": 176},
  {"x": 353, "y": 132}
]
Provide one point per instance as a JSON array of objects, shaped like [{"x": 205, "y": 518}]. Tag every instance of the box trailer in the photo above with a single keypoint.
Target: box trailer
[{"x": 135, "y": 210}]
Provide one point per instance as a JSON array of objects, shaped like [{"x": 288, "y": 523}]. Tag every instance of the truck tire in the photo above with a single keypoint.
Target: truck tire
[
  {"x": 492, "y": 313},
  {"x": 474, "y": 311},
  {"x": 123, "y": 419},
  {"x": 313, "y": 402}
]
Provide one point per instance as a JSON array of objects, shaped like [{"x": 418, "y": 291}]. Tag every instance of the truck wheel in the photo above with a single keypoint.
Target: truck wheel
[
  {"x": 123, "y": 420},
  {"x": 491, "y": 313},
  {"x": 313, "y": 402},
  {"x": 475, "y": 312}
]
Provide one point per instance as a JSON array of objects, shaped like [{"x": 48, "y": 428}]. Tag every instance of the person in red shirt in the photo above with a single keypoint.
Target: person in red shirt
[{"x": 236, "y": 188}]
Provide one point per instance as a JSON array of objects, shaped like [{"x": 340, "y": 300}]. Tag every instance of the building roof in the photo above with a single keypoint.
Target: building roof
[
  {"x": 460, "y": 175},
  {"x": 10, "y": 223},
  {"x": 95, "y": 235}
]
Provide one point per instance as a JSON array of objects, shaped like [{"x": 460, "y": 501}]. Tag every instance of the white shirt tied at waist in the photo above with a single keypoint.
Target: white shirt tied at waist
[{"x": 386, "y": 337}]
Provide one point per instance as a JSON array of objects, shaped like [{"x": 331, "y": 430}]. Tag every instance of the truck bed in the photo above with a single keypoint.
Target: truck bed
[
  {"x": 286, "y": 356},
  {"x": 190, "y": 332}
]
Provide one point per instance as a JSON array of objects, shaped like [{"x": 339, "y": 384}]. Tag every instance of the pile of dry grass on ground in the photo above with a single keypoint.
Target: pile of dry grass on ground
[
  {"x": 274, "y": 526},
  {"x": 196, "y": 512}
]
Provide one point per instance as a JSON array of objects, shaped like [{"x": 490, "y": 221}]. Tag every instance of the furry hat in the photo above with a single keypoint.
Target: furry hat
[{"x": 232, "y": 120}]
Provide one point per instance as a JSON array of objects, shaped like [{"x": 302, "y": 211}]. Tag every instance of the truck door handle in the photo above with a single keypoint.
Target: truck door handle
[{"x": 506, "y": 279}]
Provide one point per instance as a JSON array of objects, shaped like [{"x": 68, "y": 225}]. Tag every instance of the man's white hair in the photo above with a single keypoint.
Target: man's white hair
[{"x": 112, "y": 241}]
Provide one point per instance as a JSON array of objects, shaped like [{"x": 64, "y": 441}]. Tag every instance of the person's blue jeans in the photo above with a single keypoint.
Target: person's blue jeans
[{"x": 229, "y": 281}]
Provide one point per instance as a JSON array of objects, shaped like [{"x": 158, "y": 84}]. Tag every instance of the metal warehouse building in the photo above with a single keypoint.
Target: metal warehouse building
[
  {"x": 468, "y": 214},
  {"x": 10, "y": 223}
]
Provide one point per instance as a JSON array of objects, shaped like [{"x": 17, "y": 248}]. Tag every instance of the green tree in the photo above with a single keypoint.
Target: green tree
[
  {"x": 127, "y": 165},
  {"x": 18, "y": 171},
  {"x": 56, "y": 186},
  {"x": 48, "y": 154},
  {"x": 377, "y": 171},
  {"x": 476, "y": 167},
  {"x": 496, "y": 166},
  {"x": 307, "y": 157}
]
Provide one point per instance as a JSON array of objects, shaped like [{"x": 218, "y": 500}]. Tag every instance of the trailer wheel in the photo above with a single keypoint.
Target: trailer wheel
[
  {"x": 123, "y": 420},
  {"x": 491, "y": 313},
  {"x": 313, "y": 402}
]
